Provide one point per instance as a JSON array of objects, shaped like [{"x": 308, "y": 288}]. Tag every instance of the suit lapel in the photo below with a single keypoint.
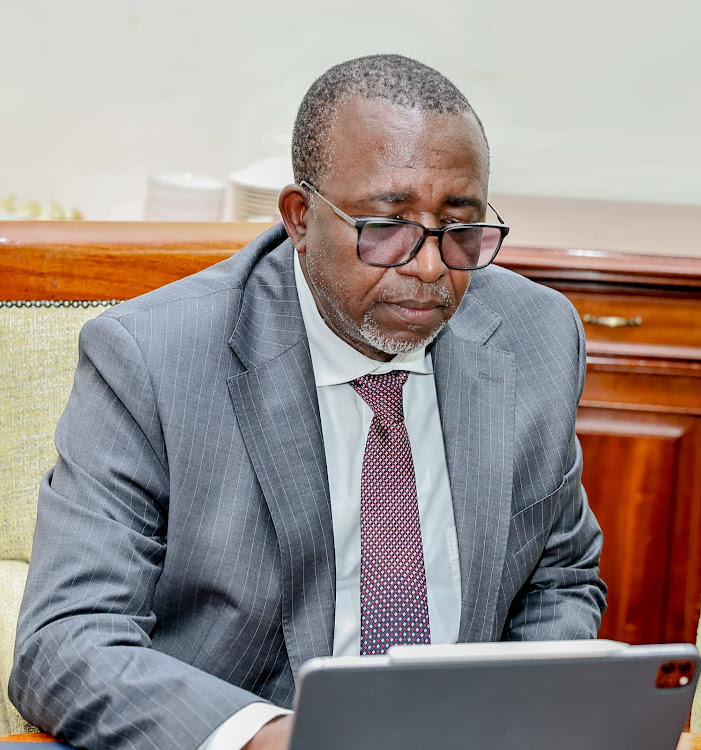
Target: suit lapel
[
  {"x": 277, "y": 411},
  {"x": 475, "y": 384}
]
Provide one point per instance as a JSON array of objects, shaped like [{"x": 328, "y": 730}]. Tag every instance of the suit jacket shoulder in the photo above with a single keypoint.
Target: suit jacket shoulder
[
  {"x": 539, "y": 325},
  {"x": 520, "y": 302}
]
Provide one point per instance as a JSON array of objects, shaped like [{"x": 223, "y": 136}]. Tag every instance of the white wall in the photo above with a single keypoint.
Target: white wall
[{"x": 597, "y": 99}]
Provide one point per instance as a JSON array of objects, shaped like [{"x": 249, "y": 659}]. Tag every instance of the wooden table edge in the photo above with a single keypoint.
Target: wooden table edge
[{"x": 28, "y": 737}]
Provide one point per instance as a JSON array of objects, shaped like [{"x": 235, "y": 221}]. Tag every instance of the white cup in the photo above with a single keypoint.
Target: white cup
[{"x": 183, "y": 196}]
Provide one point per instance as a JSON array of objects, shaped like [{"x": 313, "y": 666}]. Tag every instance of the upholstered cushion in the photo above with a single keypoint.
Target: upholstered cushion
[
  {"x": 38, "y": 355},
  {"x": 696, "y": 709},
  {"x": 13, "y": 575}
]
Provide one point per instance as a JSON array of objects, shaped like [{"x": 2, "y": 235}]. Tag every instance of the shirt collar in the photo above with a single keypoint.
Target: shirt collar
[{"x": 335, "y": 361}]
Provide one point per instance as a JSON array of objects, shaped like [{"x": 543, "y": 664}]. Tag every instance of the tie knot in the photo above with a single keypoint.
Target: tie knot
[{"x": 383, "y": 394}]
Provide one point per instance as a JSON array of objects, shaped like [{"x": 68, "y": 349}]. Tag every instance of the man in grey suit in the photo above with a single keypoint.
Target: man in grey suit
[{"x": 200, "y": 537}]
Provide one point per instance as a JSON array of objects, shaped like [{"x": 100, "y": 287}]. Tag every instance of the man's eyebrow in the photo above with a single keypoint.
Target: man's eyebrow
[
  {"x": 391, "y": 197},
  {"x": 454, "y": 201},
  {"x": 463, "y": 201}
]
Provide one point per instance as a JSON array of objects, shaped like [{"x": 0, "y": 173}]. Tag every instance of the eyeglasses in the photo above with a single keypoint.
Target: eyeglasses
[{"x": 394, "y": 242}]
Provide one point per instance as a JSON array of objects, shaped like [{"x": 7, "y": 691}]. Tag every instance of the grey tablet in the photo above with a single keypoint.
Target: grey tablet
[{"x": 595, "y": 695}]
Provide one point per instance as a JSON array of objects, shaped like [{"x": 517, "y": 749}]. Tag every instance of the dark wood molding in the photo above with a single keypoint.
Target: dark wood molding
[{"x": 601, "y": 267}]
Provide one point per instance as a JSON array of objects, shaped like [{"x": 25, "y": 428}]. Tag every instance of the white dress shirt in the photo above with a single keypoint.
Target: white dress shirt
[{"x": 345, "y": 421}]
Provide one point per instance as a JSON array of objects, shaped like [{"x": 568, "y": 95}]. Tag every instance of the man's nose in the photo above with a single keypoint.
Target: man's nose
[{"x": 427, "y": 264}]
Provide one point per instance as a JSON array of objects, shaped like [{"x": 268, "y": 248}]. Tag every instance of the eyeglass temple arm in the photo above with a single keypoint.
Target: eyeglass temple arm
[
  {"x": 335, "y": 209},
  {"x": 501, "y": 221}
]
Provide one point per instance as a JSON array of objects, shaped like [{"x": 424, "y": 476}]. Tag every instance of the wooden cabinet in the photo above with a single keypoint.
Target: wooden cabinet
[
  {"x": 640, "y": 428},
  {"x": 640, "y": 416}
]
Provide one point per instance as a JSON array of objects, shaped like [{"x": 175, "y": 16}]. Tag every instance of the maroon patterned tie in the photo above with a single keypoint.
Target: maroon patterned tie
[{"x": 393, "y": 600}]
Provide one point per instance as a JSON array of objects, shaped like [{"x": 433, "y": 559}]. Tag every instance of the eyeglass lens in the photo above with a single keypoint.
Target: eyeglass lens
[{"x": 388, "y": 244}]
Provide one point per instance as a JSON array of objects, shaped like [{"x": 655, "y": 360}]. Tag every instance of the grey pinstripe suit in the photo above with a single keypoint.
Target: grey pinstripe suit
[{"x": 183, "y": 557}]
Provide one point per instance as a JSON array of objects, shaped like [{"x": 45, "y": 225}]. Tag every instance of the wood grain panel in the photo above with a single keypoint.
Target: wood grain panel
[
  {"x": 601, "y": 269},
  {"x": 47, "y": 260},
  {"x": 627, "y": 470},
  {"x": 669, "y": 321},
  {"x": 639, "y": 385},
  {"x": 683, "y": 607}
]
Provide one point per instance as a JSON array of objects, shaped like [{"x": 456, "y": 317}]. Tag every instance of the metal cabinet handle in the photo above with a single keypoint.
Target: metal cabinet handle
[{"x": 612, "y": 321}]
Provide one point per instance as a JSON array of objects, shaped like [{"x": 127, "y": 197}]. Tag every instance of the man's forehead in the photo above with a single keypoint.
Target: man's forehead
[
  {"x": 373, "y": 130},
  {"x": 386, "y": 153}
]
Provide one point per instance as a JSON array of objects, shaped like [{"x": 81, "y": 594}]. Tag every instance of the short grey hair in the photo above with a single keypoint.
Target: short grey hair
[{"x": 394, "y": 79}]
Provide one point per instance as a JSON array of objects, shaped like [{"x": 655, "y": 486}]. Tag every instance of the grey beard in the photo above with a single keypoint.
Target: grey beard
[{"x": 371, "y": 332}]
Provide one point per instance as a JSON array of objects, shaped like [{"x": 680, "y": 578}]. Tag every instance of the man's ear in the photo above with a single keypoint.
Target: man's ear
[{"x": 293, "y": 205}]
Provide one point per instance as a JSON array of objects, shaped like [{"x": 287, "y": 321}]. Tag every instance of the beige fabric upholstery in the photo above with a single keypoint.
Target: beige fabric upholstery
[
  {"x": 13, "y": 574},
  {"x": 38, "y": 355},
  {"x": 696, "y": 708}
]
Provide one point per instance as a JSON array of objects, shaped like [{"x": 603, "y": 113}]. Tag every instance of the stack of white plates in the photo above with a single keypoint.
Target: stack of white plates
[
  {"x": 183, "y": 196},
  {"x": 255, "y": 190}
]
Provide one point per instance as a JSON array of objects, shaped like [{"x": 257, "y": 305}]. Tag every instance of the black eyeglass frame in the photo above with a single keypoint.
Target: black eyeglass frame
[{"x": 360, "y": 222}]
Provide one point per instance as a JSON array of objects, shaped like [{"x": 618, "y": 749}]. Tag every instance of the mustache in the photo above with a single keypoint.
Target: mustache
[{"x": 433, "y": 292}]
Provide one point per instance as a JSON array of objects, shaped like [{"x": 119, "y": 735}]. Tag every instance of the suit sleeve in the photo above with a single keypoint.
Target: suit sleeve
[
  {"x": 85, "y": 668},
  {"x": 564, "y": 597}
]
